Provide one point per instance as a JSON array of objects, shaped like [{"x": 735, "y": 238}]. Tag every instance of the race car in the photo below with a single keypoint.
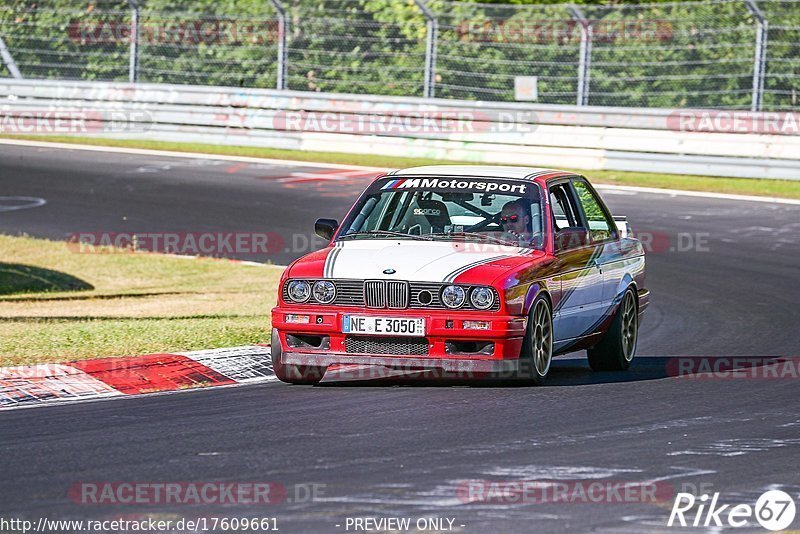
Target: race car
[{"x": 464, "y": 271}]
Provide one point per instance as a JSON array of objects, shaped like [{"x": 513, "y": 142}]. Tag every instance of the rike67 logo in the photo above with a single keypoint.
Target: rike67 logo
[{"x": 774, "y": 510}]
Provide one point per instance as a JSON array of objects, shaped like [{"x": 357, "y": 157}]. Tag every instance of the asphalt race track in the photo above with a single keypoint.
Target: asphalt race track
[{"x": 724, "y": 282}]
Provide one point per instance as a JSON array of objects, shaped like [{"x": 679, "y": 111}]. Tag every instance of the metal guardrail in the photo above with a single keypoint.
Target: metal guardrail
[
  {"x": 628, "y": 139},
  {"x": 725, "y": 54}
]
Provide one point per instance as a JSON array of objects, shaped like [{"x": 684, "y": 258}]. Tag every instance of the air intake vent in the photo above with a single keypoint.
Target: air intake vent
[{"x": 413, "y": 346}]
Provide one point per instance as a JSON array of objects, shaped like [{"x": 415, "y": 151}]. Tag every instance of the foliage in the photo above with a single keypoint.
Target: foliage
[{"x": 662, "y": 54}]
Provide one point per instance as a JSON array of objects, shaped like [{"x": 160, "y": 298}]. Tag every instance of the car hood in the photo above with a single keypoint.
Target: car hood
[{"x": 426, "y": 261}]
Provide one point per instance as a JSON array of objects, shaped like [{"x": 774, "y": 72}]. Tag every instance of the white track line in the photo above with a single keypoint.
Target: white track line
[
  {"x": 293, "y": 163},
  {"x": 187, "y": 155},
  {"x": 701, "y": 194}
]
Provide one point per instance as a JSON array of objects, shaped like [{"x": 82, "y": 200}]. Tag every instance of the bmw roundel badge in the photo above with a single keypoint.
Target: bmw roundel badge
[{"x": 389, "y": 271}]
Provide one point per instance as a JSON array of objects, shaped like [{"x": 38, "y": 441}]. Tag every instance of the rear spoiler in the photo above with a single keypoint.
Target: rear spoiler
[{"x": 622, "y": 225}]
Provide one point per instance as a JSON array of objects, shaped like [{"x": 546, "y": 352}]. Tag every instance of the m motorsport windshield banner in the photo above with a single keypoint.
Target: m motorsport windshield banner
[{"x": 453, "y": 185}]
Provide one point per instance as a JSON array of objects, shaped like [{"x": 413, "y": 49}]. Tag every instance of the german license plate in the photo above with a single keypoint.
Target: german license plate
[{"x": 387, "y": 326}]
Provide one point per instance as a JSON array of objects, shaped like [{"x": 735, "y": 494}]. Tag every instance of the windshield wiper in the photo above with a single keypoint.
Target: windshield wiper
[
  {"x": 477, "y": 235},
  {"x": 373, "y": 233}
]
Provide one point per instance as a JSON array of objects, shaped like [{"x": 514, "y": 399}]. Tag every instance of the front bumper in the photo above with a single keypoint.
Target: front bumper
[
  {"x": 407, "y": 363},
  {"x": 443, "y": 329}
]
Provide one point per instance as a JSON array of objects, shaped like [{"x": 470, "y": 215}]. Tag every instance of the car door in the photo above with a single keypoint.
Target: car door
[
  {"x": 577, "y": 311},
  {"x": 603, "y": 235}
]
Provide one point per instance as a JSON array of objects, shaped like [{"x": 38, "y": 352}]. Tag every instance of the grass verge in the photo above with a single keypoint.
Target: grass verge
[
  {"x": 58, "y": 305},
  {"x": 740, "y": 186}
]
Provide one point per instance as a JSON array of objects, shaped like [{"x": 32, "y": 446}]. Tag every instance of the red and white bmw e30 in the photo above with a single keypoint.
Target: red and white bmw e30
[{"x": 466, "y": 269}]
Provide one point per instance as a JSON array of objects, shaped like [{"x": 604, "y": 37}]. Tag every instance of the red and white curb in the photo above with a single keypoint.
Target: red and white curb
[{"x": 36, "y": 385}]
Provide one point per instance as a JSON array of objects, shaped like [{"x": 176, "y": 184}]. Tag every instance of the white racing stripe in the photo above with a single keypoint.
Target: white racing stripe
[
  {"x": 412, "y": 260},
  {"x": 461, "y": 270},
  {"x": 327, "y": 271}
]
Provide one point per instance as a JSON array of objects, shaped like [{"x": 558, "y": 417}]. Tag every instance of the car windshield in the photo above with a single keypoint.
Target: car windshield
[{"x": 500, "y": 211}]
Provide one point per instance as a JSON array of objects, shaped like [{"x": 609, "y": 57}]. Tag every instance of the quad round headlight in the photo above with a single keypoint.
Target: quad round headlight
[
  {"x": 299, "y": 290},
  {"x": 324, "y": 291},
  {"x": 454, "y": 296},
  {"x": 482, "y": 298}
]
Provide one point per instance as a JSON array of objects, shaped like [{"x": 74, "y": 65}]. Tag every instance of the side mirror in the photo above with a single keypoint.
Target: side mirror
[
  {"x": 572, "y": 237},
  {"x": 325, "y": 228}
]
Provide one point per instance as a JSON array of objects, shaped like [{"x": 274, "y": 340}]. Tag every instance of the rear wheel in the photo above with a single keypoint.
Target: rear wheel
[
  {"x": 537, "y": 347},
  {"x": 616, "y": 350},
  {"x": 293, "y": 374}
]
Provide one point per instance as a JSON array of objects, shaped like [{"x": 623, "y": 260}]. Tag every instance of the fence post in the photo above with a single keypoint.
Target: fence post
[
  {"x": 8, "y": 59},
  {"x": 760, "y": 58},
  {"x": 431, "y": 38},
  {"x": 283, "y": 30},
  {"x": 133, "y": 65},
  {"x": 585, "y": 58}
]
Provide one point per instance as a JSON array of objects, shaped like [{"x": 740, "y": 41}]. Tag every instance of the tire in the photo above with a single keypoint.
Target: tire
[
  {"x": 289, "y": 373},
  {"x": 616, "y": 350},
  {"x": 537, "y": 346}
]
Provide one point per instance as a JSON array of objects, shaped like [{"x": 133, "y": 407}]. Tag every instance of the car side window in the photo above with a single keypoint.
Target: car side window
[
  {"x": 601, "y": 227},
  {"x": 565, "y": 214}
]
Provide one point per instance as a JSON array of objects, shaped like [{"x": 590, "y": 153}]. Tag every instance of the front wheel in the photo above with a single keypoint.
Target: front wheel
[
  {"x": 292, "y": 374},
  {"x": 617, "y": 348},
  {"x": 537, "y": 347}
]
